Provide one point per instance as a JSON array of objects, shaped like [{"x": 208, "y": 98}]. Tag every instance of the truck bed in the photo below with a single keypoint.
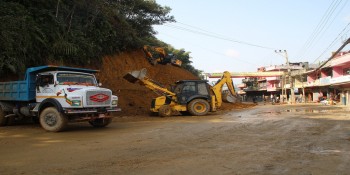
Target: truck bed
[{"x": 16, "y": 91}]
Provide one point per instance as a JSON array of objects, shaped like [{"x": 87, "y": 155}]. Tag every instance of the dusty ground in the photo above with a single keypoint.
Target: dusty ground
[{"x": 266, "y": 139}]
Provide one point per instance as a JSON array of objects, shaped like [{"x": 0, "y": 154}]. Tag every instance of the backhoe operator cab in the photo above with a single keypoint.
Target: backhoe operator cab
[{"x": 187, "y": 90}]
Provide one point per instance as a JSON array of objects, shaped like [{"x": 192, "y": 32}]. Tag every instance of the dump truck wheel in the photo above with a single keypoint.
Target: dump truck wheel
[
  {"x": 100, "y": 122},
  {"x": 198, "y": 107},
  {"x": 164, "y": 111},
  {"x": 52, "y": 120},
  {"x": 3, "y": 120}
]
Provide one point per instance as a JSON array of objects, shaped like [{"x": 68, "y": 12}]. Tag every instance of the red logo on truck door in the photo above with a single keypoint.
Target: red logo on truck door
[{"x": 99, "y": 97}]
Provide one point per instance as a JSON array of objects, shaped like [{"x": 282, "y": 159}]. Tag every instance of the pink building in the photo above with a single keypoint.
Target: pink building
[{"x": 332, "y": 80}]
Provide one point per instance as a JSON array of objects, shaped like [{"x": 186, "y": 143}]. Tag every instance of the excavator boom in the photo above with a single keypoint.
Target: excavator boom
[
  {"x": 140, "y": 77},
  {"x": 217, "y": 88}
]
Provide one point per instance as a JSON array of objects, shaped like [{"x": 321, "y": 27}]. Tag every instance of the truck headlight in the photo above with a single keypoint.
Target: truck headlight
[
  {"x": 76, "y": 103},
  {"x": 114, "y": 102}
]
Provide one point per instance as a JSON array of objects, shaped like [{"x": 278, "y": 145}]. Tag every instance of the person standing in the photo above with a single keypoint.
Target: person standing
[{"x": 271, "y": 97}]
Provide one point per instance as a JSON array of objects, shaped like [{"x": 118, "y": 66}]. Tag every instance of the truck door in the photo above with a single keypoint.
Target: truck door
[{"x": 44, "y": 86}]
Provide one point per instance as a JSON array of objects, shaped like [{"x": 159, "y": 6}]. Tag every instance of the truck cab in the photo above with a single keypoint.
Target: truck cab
[{"x": 56, "y": 95}]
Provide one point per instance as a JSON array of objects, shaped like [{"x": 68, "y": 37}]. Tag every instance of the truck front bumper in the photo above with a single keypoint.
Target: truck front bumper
[{"x": 91, "y": 110}]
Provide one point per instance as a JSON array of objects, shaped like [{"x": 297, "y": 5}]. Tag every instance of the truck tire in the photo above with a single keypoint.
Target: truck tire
[
  {"x": 52, "y": 120},
  {"x": 100, "y": 122},
  {"x": 3, "y": 120},
  {"x": 164, "y": 111},
  {"x": 198, "y": 107}
]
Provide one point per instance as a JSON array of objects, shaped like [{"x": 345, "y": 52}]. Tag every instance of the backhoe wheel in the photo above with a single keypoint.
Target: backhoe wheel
[
  {"x": 52, "y": 120},
  {"x": 198, "y": 107},
  {"x": 164, "y": 111},
  {"x": 3, "y": 120},
  {"x": 100, "y": 122}
]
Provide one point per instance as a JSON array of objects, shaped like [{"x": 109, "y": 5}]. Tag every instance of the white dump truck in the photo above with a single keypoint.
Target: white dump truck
[{"x": 56, "y": 95}]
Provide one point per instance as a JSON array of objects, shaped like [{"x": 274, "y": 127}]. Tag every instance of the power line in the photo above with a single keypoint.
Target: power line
[
  {"x": 313, "y": 35},
  {"x": 329, "y": 25},
  {"x": 200, "y": 31},
  {"x": 320, "y": 27},
  {"x": 334, "y": 41},
  {"x": 210, "y": 50}
]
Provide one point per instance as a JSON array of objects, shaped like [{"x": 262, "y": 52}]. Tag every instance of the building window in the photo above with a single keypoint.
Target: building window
[{"x": 346, "y": 71}]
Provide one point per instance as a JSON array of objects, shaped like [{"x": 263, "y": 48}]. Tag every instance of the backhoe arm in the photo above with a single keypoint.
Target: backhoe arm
[
  {"x": 140, "y": 77},
  {"x": 217, "y": 88},
  {"x": 150, "y": 84}
]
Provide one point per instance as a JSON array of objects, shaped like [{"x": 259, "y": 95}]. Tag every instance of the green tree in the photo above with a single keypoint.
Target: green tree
[{"x": 78, "y": 32}]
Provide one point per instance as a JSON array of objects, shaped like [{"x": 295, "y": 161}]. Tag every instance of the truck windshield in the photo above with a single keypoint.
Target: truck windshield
[{"x": 76, "y": 79}]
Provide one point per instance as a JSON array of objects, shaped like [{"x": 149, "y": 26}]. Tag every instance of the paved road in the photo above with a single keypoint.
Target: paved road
[{"x": 267, "y": 139}]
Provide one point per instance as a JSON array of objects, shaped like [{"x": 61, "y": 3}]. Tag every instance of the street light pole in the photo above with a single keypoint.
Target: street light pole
[{"x": 292, "y": 98}]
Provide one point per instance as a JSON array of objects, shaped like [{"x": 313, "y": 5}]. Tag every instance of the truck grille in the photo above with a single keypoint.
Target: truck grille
[{"x": 98, "y": 98}]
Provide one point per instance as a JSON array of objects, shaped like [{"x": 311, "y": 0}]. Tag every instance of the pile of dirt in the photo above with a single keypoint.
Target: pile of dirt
[{"x": 135, "y": 99}]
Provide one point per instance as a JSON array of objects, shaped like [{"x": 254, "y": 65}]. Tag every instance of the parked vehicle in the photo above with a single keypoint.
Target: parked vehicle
[{"x": 56, "y": 95}]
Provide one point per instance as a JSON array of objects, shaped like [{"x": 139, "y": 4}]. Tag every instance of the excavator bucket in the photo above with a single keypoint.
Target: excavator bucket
[
  {"x": 136, "y": 75},
  {"x": 177, "y": 62}
]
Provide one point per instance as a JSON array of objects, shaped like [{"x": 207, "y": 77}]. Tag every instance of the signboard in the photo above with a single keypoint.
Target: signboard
[{"x": 325, "y": 80}]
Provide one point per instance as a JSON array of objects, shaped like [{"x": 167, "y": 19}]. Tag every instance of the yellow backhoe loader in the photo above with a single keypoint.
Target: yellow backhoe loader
[
  {"x": 157, "y": 55},
  {"x": 195, "y": 97}
]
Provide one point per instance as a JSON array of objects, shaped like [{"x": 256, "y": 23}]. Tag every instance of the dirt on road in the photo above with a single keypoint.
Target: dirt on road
[{"x": 283, "y": 139}]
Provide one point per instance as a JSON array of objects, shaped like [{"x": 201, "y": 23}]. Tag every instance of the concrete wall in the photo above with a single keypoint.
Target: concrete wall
[{"x": 337, "y": 71}]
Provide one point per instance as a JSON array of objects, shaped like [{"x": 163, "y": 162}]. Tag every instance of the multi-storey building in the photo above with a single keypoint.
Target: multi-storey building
[
  {"x": 331, "y": 81},
  {"x": 310, "y": 82},
  {"x": 276, "y": 85}
]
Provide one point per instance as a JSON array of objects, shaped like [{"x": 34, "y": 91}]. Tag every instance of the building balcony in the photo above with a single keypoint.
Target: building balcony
[
  {"x": 326, "y": 81},
  {"x": 273, "y": 78}
]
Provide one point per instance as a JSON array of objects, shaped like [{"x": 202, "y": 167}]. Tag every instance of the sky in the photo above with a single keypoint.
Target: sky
[{"x": 242, "y": 35}]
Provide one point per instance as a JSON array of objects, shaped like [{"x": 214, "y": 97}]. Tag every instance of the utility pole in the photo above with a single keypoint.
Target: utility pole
[{"x": 292, "y": 98}]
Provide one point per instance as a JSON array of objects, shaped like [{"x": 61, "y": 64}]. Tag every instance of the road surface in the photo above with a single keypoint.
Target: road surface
[{"x": 266, "y": 139}]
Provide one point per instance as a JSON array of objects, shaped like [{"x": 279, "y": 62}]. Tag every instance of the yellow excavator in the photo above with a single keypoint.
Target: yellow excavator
[
  {"x": 195, "y": 97},
  {"x": 157, "y": 55}
]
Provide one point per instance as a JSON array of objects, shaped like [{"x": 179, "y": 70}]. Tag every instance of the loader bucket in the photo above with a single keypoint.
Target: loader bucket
[
  {"x": 229, "y": 98},
  {"x": 136, "y": 75}
]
